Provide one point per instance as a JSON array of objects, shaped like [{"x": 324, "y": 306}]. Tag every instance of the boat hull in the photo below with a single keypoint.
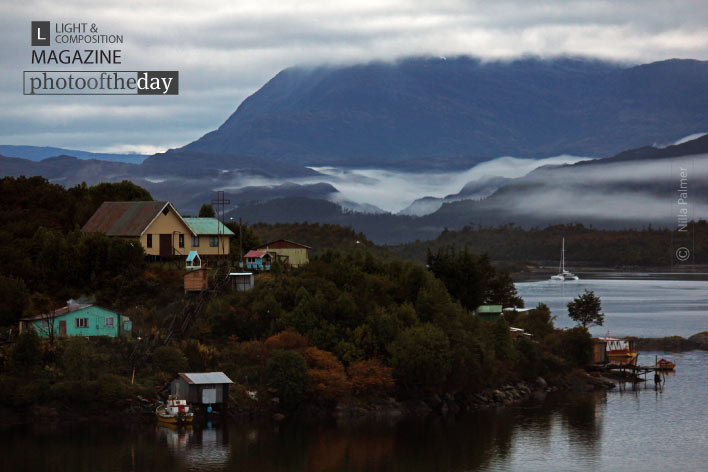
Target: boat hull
[
  {"x": 175, "y": 419},
  {"x": 622, "y": 355},
  {"x": 564, "y": 277},
  {"x": 663, "y": 364}
]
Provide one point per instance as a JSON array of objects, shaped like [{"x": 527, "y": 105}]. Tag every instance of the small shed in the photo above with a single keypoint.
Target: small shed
[
  {"x": 258, "y": 260},
  {"x": 599, "y": 351},
  {"x": 201, "y": 388},
  {"x": 193, "y": 261},
  {"x": 489, "y": 312},
  {"x": 241, "y": 281},
  {"x": 196, "y": 280}
]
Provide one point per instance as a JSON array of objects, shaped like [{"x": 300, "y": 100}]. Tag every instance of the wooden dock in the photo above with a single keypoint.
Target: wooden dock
[{"x": 634, "y": 373}]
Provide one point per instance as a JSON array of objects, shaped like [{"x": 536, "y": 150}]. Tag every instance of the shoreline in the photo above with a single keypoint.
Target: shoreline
[
  {"x": 541, "y": 272},
  {"x": 698, "y": 341},
  {"x": 134, "y": 411}
]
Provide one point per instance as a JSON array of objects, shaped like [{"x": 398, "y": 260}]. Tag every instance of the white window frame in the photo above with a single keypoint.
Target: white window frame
[
  {"x": 109, "y": 321},
  {"x": 79, "y": 322}
]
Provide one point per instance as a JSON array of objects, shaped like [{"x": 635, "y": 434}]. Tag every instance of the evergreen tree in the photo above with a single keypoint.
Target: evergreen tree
[
  {"x": 207, "y": 211},
  {"x": 586, "y": 310}
]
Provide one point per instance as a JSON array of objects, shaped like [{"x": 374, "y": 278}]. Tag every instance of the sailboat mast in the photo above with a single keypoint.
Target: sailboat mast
[{"x": 563, "y": 256}]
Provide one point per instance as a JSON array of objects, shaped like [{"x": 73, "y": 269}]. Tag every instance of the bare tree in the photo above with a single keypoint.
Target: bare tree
[{"x": 46, "y": 326}]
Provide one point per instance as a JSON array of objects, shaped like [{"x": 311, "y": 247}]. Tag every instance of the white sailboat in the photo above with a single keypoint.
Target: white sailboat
[{"x": 562, "y": 273}]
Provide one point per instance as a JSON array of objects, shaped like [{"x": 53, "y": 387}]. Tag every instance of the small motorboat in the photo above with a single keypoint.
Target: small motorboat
[
  {"x": 175, "y": 411},
  {"x": 663, "y": 364}
]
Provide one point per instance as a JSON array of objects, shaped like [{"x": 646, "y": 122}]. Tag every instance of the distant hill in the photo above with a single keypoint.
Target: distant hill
[
  {"x": 611, "y": 193},
  {"x": 418, "y": 112},
  {"x": 319, "y": 237},
  {"x": 188, "y": 179},
  {"x": 37, "y": 153}
]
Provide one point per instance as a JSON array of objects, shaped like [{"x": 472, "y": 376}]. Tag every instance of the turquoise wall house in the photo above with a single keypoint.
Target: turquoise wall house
[
  {"x": 79, "y": 320},
  {"x": 258, "y": 260}
]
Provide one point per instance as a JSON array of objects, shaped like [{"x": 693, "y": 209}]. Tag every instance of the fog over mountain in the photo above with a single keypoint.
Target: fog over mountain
[
  {"x": 401, "y": 150},
  {"x": 634, "y": 189}
]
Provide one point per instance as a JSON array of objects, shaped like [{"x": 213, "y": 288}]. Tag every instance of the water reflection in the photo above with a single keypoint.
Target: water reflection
[
  {"x": 583, "y": 432},
  {"x": 203, "y": 448},
  {"x": 476, "y": 441}
]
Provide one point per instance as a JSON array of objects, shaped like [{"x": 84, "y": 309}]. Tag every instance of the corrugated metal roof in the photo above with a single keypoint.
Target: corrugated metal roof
[
  {"x": 199, "y": 378},
  {"x": 283, "y": 244},
  {"x": 208, "y": 226},
  {"x": 58, "y": 312},
  {"x": 123, "y": 218},
  {"x": 489, "y": 309},
  {"x": 129, "y": 219},
  {"x": 253, "y": 253}
]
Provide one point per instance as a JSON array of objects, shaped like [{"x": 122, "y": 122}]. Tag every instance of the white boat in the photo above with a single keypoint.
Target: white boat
[
  {"x": 176, "y": 411},
  {"x": 562, "y": 273}
]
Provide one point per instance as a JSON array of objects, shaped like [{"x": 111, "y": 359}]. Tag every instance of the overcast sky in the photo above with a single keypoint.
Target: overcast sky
[{"x": 226, "y": 50}]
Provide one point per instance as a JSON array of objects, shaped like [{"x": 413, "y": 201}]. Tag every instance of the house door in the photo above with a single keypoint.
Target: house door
[
  {"x": 208, "y": 396},
  {"x": 165, "y": 244},
  {"x": 62, "y": 328}
]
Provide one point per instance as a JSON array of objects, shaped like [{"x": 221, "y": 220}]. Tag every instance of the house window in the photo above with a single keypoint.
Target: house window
[
  {"x": 108, "y": 321},
  {"x": 213, "y": 241},
  {"x": 45, "y": 324},
  {"x": 81, "y": 322},
  {"x": 195, "y": 241},
  {"x": 181, "y": 240},
  {"x": 149, "y": 240}
]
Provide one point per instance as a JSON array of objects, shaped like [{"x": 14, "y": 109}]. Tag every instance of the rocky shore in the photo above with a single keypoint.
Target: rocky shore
[
  {"x": 452, "y": 404},
  {"x": 141, "y": 411}
]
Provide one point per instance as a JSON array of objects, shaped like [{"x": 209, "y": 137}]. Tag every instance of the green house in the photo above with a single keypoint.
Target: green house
[
  {"x": 489, "y": 312},
  {"x": 79, "y": 320}
]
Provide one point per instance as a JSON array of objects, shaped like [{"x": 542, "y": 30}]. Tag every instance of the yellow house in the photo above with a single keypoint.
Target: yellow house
[
  {"x": 211, "y": 236},
  {"x": 292, "y": 253},
  {"x": 159, "y": 226}
]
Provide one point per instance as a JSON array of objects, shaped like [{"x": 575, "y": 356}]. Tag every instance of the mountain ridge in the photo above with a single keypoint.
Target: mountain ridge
[{"x": 463, "y": 110}]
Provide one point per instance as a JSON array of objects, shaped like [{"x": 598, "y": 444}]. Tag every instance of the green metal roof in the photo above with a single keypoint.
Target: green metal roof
[
  {"x": 489, "y": 309},
  {"x": 209, "y": 226}
]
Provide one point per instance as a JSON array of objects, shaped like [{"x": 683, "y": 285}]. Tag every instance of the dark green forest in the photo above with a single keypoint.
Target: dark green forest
[
  {"x": 351, "y": 324},
  {"x": 585, "y": 246}
]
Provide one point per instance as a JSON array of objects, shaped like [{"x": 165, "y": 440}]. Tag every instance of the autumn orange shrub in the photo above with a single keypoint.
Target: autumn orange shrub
[
  {"x": 329, "y": 380},
  {"x": 288, "y": 339},
  {"x": 370, "y": 377}
]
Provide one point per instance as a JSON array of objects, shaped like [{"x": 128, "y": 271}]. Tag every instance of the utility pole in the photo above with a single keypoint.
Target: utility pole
[
  {"x": 220, "y": 202},
  {"x": 240, "y": 244}
]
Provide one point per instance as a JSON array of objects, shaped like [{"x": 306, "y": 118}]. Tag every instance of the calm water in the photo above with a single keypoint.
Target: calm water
[
  {"x": 631, "y": 430},
  {"x": 643, "y": 307}
]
